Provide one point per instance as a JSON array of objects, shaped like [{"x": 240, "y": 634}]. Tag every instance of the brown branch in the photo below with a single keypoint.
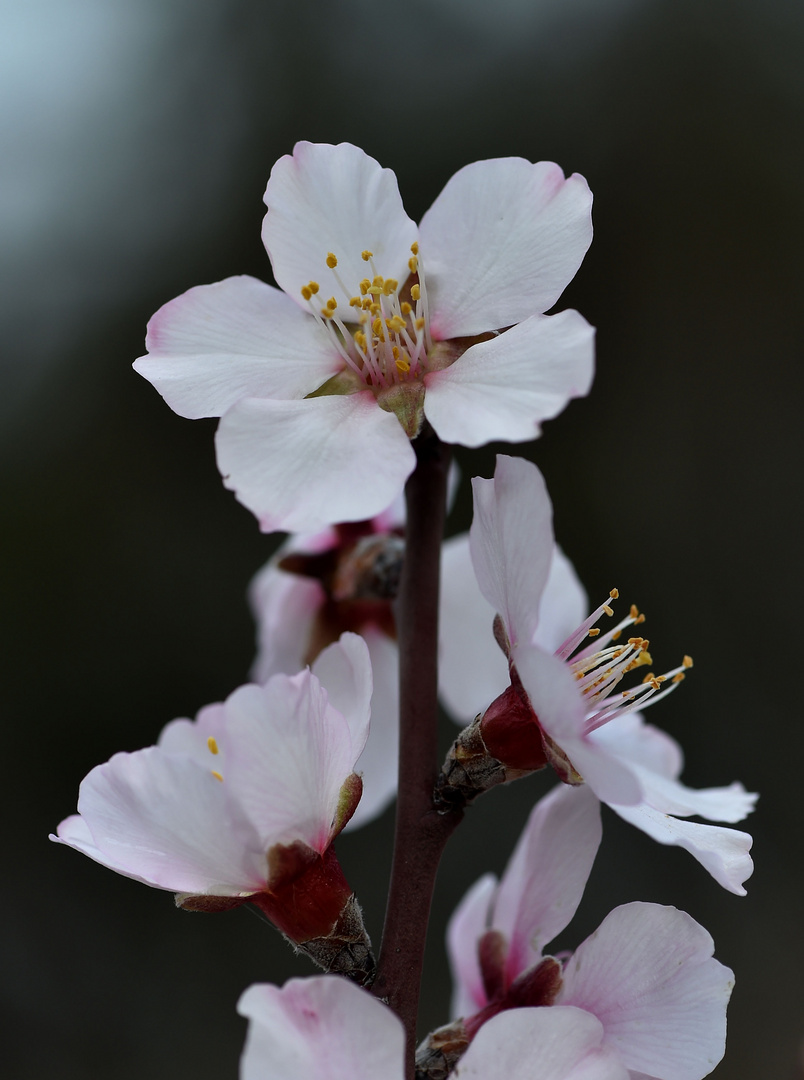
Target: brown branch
[{"x": 421, "y": 833}]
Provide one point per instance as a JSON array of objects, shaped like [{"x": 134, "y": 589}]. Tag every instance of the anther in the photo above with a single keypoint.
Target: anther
[
  {"x": 414, "y": 247},
  {"x": 332, "y": 262},
  {"x": 607, "y": 609},
  {"x": 634, "y": 612},
  {"x": 217, "y": 776},
  {"x": 212, "y": 744},
  {"x": 413, "y": 264},
  {"x": 313, "y": 286},
  {"x": 687, "y": 661},
  {"x": 649, "y": 677},
  {"x": 390, "y": 286},
  {"x": 615, "y": 594},
  {"x": 679, "y": 678},
  {"x": 406, "y": 308},
  {"x": 364, "y": 286},
  {"x": 306, "y": 293},
  {"x": 415, "y": 292},
  {"x": 366, "y": 255},
  {"x": 595, "y": 630}
]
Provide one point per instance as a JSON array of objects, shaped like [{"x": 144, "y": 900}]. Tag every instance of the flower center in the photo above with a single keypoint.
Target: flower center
[
  {"x": 599, "y": 668},
  {"x": 389, "y": 345}
]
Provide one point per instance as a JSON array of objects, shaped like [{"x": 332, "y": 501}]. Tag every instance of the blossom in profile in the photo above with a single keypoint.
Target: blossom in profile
[
  {"x": 647, "y": 973},
  {"x": 315, "y": 588},
  {"x": 377, "y": 327},
  {"x": 243, "y": 803},
  {"x": 567, "y": 706},
  {"x": 323, "y": 1028}
]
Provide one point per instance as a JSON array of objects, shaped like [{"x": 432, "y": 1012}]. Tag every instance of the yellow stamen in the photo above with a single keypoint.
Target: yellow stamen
[
  {"x": 415, "y": 292},
  {"x": 679, "y": 678},
  {"x": 615, "y": 594},
  {"x": 366, "y": 255},
  {"x": 217, "y": 776},
  {"x": 607, "y": 609},
  {"x": 306, "y": 292},
  {"x": 390, "y": 286},
  {"x": 687, "y": 661},
  {"x": 212, "y": 744},
  {"x": 594, "y": 631},
  {"x": 332, "y": 262},
  {"x": 313, "y": 286},
  {"x": 413, "y": 264},
  {"x": 414, "y": 247}
]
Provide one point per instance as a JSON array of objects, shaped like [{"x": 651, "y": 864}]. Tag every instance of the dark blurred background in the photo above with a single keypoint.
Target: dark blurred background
[{"x": 138, "y": 136}]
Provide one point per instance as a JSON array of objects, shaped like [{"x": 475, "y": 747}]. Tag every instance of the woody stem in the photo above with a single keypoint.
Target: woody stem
[{"x": 421, "y": 833}]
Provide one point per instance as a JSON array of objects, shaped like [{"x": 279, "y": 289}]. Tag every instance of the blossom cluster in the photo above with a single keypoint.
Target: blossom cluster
[{"x": 383, "y": 341}]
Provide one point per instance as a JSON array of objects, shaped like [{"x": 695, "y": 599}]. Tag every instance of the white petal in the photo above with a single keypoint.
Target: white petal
[
  {"x": 379, "y": 762},
  {"x": 320, "y": 1028},
  {"x": 285, "y": 607},
  {"x": 501, "y": 242},
  {"x": 470, "y": 920},
  {"x": 473, "y": 670},
  {"x": 216, "y": 344},
  {"x": 344, "y": 670},
  {"x": 334, "y": 199},
  {"x": 561, "y": 712},
  {"x": 544, "y": 881},
  {"x": 166, "y": 820},
  {"x": 630, "y": 738},
  {"x": 191, "y": 737},
  {"x": 299, "y": 465},
  {"x": 511, "y": 541},
  {"x": 505, "y": 387},
  {"x": 731, "y": 804},
  {"x": 723, "y": 852},
  {"x": 559, "y": 1043},
  {"x": 289, "y": 753},
  {"x": 648, "y": 975},
  {"x": 563, "y": 605}
]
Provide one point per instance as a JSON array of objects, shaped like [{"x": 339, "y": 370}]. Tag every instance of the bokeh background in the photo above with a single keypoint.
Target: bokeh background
[{"x": 137, "y": 139}]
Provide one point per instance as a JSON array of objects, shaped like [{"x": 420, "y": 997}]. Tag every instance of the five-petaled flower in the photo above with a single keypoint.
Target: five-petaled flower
[
  {"x": 323, "y": 1028},
  {"x": 379, "y": 326},
  {"x": 647, "y": 973},
  {"x": 243, "y": 803},
  {"x": 588, "y": 727}
]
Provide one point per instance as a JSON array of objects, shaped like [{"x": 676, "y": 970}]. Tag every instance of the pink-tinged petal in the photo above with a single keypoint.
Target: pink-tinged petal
[
  {"x": 191, "y": 737},
  {"x": 284, "y": 607},
  {"x": 167, "y": 821},
  {"x": 473, "y": 670},
  {"x": 630, "y": 738},
  {"x": 379, "y": 762},
  {"x": 320, "y": 1028},
  {"x": 723, "y": 852},
  {"x": 559, "y": 1043},
  {"x": 511, "y": 541},
  {"x": 505, "y": 387},
  {"x": 344, "y": 670},
  {"x": 74, "y": 832},
  {"x": 501, "y": 242},
  {"x": 563, "y": 605},
  {"x": 470, "y": 920},
  {"x": 560, "y": 709},
  {"x": 334, "y": 199},
  {"x": 300, "y": 465},
  {"x": 216, "y": 344},
  {"x": 289, "y": 752},
  {"x": 730, "y": 804},
  {"x": 543, "y": 883},
  {"x": 649, "y": 976}
]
